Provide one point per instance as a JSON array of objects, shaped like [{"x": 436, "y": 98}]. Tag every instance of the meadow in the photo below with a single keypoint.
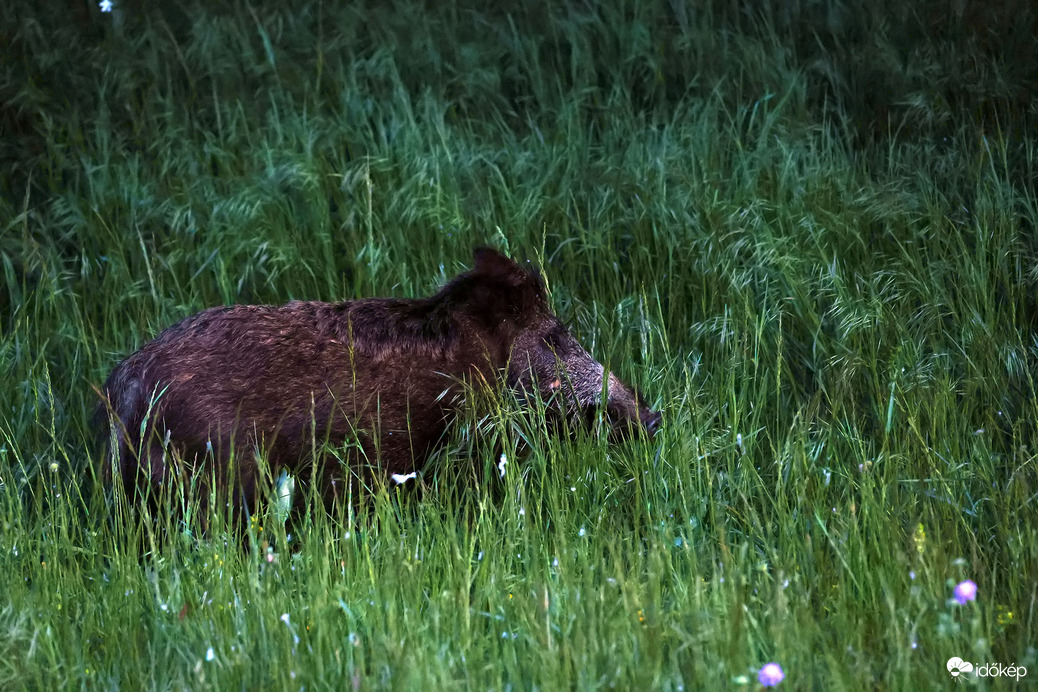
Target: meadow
[{"x": 806, "y": 230}]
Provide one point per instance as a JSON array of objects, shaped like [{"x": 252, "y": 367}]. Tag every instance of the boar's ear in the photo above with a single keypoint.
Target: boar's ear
[
  {"x": 490, "y": 262},
  {"x": 525, "y": 294}
]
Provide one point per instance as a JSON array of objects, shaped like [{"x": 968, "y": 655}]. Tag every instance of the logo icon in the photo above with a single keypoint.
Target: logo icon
[{"x": 957, "y": 666}]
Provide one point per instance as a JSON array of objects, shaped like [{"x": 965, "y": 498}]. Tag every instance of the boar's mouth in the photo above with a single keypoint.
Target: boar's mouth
[
  {"x": 623, "y": 427},
  {"x": 627, "y": 415}
]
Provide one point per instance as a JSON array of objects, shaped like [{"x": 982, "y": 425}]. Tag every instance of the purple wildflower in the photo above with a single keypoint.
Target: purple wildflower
[
  {"x": 770, "y": 675},
  {"x": 965, "y": 591}
]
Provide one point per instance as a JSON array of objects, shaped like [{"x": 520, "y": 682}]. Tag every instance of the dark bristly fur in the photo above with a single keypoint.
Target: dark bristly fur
[{"x": 382, "y": 372}]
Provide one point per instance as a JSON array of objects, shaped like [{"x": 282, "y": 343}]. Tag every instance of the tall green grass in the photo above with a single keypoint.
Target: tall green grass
[{"x": 806, "y": 231}]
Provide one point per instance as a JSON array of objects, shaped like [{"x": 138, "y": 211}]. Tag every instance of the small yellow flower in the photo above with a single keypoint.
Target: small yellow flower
[
  {"x": 1003, "y": 615},
  {"x": 919, "y": 538}
]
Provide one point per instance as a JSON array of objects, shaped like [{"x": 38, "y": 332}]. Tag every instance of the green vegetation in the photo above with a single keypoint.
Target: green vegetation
[{"x": 808, "y": 232}]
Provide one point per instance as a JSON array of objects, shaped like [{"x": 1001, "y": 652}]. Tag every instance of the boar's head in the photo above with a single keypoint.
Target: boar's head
[{"x": 546, "y": 359}]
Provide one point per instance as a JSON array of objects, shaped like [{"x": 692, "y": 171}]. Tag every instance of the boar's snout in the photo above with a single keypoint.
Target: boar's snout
[
  {"x": 627, "y": 414},
  {"x": 651, "y": 421}
]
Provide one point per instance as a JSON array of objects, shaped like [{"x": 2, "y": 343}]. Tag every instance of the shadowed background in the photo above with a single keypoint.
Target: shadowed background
[{"x": 807, "y": 230}]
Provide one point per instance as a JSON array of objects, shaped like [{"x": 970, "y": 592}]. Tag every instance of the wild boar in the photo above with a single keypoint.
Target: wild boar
[{"x": 383, "y": 376}]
